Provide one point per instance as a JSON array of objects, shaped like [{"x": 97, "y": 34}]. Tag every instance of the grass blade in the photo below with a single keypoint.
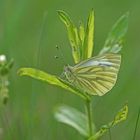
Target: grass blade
[{"x": 136, "y": 126}]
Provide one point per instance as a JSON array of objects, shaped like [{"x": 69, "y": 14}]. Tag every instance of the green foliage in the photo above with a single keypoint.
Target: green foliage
[
  {"x": 82, "y": 33},
  {"x": 51, "y": 79},
  {"x": 82, "y": 41},
  {"x": 115, "y": 39},
  {"x": 72, "y": 34},
  {"x": 73, "y": 118},
  {"x": 119, "y": 117}
]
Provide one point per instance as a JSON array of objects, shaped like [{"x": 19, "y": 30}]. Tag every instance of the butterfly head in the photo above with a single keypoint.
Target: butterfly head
[{"x": 68, "y": 74}]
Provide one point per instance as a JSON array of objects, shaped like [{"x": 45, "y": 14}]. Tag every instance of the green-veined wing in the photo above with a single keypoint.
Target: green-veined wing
[{"x": 95, "y": 76}]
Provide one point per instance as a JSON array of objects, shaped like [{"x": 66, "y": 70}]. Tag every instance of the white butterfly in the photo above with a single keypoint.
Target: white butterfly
[{"x": 95, "y": 76}]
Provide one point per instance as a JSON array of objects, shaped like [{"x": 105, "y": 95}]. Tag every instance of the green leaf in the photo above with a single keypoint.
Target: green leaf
[
  {"x": 51, "y": 79},
  {"x": 73, "y": 118},
  {"x": 89, "y": 37},
  {"x": 121, "y": 116},
  {"x": 72, "y": 34},
  {"x": 115, "y": 39},
  {"x": 82, "y": 33}
]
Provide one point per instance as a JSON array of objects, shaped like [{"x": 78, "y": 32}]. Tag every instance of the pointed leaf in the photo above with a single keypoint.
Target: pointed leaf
[
  {"x": 89, "y": 37},
  {"x": 51, "y": 79},
  {"x": 115, "y": 39},
  {"x": 121, "y": 116},
  {"x": 72, "y": 34},
  {"x": 73, "y": 118}
]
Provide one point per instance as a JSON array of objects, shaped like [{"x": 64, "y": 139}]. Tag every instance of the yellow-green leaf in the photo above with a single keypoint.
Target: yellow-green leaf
[
  {"x": 120, "y": 116},
  {"x": 72, "y": 35},
  {"x": 82, "y": 33},
  {"x": 51, "y": 79},
  {"x": 73, "y": 118},
  {"x": 89, "y": 37},
  {"x": 115, "y": 39}
]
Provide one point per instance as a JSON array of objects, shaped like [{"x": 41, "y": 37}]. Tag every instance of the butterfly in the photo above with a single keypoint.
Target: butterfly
[{"x": 96, "y": 75}]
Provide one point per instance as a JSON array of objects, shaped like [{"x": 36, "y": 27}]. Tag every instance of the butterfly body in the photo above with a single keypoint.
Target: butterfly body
[{"x": 94, "y": 76}]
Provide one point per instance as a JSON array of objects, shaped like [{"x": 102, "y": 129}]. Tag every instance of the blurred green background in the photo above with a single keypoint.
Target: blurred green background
[{"x": 29, "y": 113}]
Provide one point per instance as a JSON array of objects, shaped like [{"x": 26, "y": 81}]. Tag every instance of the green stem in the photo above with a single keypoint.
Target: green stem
[{"x": 89, "y": 116}]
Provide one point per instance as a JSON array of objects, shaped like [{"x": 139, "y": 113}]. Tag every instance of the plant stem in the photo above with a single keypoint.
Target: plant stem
[{"x": 89, "y": 116}]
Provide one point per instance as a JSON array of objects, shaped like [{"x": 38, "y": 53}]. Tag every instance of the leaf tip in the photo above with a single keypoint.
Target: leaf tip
[
  {"x": 125, "y": 17},
  {"x": 62, "y": 13},
  {"x": 20, "y": 72},
  {"x": 92, "y": 10},
  {"x": 59, "y": 11},
  {"x": 127, "y": 14}
]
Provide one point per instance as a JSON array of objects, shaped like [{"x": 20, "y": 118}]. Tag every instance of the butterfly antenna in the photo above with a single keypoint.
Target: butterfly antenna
[
  {"x": 61, "y": 53},
  {"x": 136, "y": 125}
]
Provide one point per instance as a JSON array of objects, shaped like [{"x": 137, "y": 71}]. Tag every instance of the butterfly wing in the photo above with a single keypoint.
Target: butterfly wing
[{"x": 97, "y": 75}]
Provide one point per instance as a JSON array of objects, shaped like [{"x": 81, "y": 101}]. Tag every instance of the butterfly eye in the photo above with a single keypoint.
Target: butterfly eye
[{"x": 68, "y": 73}]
